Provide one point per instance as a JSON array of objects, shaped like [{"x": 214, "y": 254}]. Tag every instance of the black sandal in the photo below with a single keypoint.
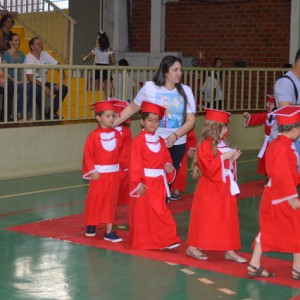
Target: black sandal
[
  {"x": 258, "y": 272},
  {"x": 297, "y": 275}
]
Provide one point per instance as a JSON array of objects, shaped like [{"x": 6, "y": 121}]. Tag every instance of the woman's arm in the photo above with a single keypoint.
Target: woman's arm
[
  {"x": 184, "y": 129},
  {"x": 126, "y": 113}
]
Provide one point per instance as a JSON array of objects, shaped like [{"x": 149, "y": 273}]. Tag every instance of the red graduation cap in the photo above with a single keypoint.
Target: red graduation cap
[
  {"x": 150, "y": 107},
  {"x": 216, "y": 115},
  {"x": 102, "y": 106},
  {"x": 287, "y": 115},
  {"x": 119, "y": 105}
]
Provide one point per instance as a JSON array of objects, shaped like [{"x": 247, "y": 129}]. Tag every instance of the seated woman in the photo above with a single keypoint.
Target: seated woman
[{"x": 14, "y": 56}]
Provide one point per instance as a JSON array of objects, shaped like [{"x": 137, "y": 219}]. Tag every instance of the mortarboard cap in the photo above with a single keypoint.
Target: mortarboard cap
[
  {"x": 287, "y": 115},
  {"x": 217, "y": 115},
  {"x": 102, "y": 106},
  {"x": 119, "y": 105},
  {"x": 150, "y": 107}
]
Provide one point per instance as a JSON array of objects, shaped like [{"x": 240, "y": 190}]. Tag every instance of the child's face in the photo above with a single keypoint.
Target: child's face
[
  {"x": 224, "y": 132},
  {"x": 107, "y": 118},
  {"x": 270, "y": 106},
  {"x": 151, "y": 122},
  {"x": 295, "y": 133}
]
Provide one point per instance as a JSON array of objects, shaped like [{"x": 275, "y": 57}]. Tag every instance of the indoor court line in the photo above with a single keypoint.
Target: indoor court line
[{"x": 43, "y": 191}]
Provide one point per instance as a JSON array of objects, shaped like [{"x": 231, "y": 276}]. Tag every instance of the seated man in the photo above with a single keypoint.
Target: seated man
[{"x": 37, "y": 56}]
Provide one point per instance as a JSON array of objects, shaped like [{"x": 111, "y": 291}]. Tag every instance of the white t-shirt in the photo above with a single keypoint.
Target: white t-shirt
[
  {"x": 174, "y": 104},
  {"x": 101, "y": 57},
  {"x": 45, "y": 59}
]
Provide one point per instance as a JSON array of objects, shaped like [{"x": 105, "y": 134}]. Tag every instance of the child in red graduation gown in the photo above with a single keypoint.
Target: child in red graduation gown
[
  {"x": 214, "y": 223},
  {"x": 279, "y": 213},
  {"x": 103, "y": 157},
  {"x": 268, "y": 121},
  {"x": 119, "y": 105},
  {"x": 152, "y": 225},
  {"x": 179, "y": 183}
]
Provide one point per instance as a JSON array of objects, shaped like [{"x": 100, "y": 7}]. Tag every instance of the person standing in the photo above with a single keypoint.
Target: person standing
[
  {"x": 37, "y": 56},
  {"x": 214, "y": 222},
  {"x": 152, "y": 225},
  {"x": 103, "y": 156},
  {"x": 167, "y": 90},
  {"x": 124, "y": 130},
  {"x": 213, "y": 100},
  {"x": 279, "y": 212},
  {"x": 104, "y": 56}
]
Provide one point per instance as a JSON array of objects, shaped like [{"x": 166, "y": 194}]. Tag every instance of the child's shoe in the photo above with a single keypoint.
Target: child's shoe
[
  {"x": 90, "y": 230},
  {"x": 172, "y": 246},
  {"x": 112, "y": 237},
  {"x": 175, "y": 197}
]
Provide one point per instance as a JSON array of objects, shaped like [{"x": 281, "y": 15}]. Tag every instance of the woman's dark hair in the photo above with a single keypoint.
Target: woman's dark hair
[
  {"x": 5, "y": 18},
  {"x": 144, "y": 115},
  {"x": 160, "y": 80},
  {"x": 215, "y": 61},
  {"x": 103, "y": 41},
  {"x": 9, "y": 39}
]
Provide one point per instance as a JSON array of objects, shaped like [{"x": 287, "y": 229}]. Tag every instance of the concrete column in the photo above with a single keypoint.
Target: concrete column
[
  {"x": 157, "y": 26},
  {"x": 295, "y": 29}
]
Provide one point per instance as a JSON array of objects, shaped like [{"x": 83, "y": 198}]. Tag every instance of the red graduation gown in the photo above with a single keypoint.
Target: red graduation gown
[
  {"x": 279, "y": 222},
  {"x": 124, "y": 197},
  {"x": 152, "y": 225},
  {"x": 214, "y": 223},
  {"x": 103, "y": 147},
  {"x": 259, "y": 119},
  {"x": 181, "y": 176}
]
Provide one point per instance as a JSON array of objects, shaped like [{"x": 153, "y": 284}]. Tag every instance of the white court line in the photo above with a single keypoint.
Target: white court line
[{"x": 42, "y": 191}]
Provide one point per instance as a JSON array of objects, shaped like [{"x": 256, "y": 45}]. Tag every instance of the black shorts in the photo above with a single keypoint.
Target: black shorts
[{"x": 97, "y": 72}]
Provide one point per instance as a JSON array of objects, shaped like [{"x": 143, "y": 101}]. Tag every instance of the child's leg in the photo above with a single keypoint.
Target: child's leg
[
  {"x": 109, "y": 227},
  {"x": 254, "y": 268},
  {"x": 296, "y": 266}
]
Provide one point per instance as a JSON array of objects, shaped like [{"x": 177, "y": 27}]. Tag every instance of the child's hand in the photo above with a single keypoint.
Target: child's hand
[
  {"x": 168, "y": 168},
  {"x": 191, "y": 153},
  {"x": 142, "y": 190},
  {"x": 294, "y": 203},
  {"x": 229, "y": 154},
  {"x": 195, "y": 169},
  {"x": 246, "y": 115},
  {"x": 236, "y": 155},
  {"x": 95, "y": 175}
]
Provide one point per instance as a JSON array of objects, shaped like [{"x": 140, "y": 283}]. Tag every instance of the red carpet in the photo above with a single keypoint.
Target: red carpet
[{"x": 70, "y": 229}]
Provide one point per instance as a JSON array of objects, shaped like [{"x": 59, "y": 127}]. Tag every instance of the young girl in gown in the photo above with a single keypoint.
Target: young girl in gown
[{"x": 214, "y": 223}]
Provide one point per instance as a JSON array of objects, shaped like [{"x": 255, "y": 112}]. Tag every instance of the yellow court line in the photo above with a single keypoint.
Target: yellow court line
[{"x": 42, "y": 191}]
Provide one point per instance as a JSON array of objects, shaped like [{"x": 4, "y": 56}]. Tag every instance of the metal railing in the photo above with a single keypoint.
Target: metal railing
[
  {"x": 242, "y": 89},
  {"x": 44, "y": 19}
]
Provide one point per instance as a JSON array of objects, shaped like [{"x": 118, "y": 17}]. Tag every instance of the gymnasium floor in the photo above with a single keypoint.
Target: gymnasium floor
[{"x": 36, "y": 267}]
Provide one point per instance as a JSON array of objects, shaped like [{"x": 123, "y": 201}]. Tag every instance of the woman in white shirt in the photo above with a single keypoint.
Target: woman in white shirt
[{"x": 167, "y": 90}]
